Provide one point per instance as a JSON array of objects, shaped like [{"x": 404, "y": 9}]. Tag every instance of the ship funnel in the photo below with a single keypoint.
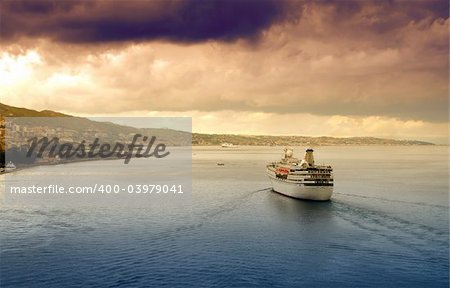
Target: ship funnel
[{"x": 309, "y": 157}]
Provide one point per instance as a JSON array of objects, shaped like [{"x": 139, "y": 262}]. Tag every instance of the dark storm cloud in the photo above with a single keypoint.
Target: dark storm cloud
[
  {"x": 96, "y": 21},
  {"x": 109, "y": 21}
]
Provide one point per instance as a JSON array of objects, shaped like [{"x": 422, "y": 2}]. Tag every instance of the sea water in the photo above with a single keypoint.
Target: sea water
[{"x": 387, "y": 225}]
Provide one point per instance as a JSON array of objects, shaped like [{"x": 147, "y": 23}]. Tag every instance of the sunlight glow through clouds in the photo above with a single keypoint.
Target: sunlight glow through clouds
[
  {"x": 61, "y": 80},
  {"x": 17, "y": 69}
]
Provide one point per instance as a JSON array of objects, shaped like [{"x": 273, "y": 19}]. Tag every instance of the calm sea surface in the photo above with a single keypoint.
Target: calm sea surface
[{"x": 386, "y": 226}]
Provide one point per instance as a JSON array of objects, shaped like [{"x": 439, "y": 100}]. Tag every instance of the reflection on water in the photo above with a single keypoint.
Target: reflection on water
[{"x": 237, "y": 232}]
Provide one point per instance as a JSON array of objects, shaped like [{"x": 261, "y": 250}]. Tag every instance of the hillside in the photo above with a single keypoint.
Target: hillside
[
  {"x": 10, "y": 111},
  {"x": 79, "y": 124},
  {"x": 25, "y": 124}
]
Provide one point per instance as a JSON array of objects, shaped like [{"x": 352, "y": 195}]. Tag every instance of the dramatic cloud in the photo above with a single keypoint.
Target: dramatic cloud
[
  {"x": 94, "y": 21},
  {"x": 107, "y": 21},
  {"x": 382, "y": 62}
]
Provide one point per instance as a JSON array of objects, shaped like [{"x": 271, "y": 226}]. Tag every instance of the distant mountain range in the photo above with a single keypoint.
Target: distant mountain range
[
  {"x": 264, "y": 140},
  {"x": 113, "y": 130}
]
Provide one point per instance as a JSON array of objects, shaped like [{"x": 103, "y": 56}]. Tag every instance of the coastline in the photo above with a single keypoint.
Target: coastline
[{"x": 218, "y": 148}]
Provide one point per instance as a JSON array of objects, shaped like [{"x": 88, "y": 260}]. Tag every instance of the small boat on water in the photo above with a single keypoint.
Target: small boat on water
[
  {"x": 10, "y": 167},
  {"x": 301, "y": 179},
  {"x": 228, "y": 145}
]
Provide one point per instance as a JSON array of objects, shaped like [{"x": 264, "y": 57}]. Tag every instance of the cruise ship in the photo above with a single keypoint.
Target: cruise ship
[{"x": 301, "y": 179}]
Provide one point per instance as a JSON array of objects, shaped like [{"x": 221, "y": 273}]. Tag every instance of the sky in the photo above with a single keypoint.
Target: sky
[{"x": 274, "y": 67}]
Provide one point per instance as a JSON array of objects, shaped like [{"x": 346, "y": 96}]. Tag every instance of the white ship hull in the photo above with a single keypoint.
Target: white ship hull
[{"x": 300, "y": 191}]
